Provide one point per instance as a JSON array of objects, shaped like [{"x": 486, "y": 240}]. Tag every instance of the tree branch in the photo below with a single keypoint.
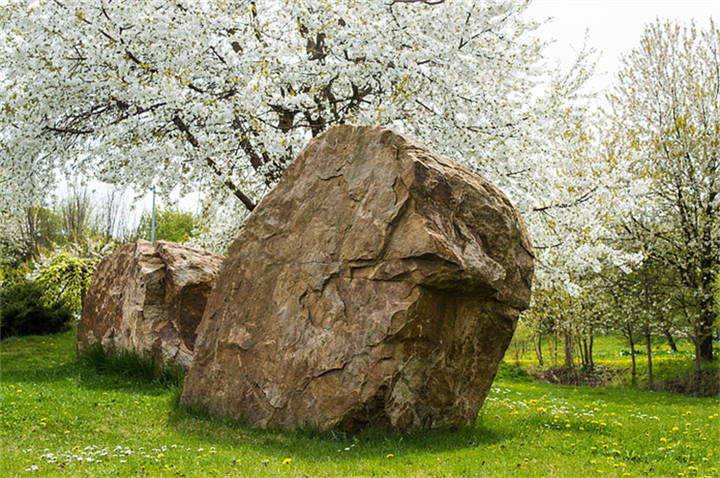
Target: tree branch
[
  {"x": 183, "y": 128},
  {"x": 566, "y": 205}
]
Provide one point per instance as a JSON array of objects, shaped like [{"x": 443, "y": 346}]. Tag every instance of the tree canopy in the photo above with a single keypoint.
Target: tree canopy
[{"x": 164, "y": 93}]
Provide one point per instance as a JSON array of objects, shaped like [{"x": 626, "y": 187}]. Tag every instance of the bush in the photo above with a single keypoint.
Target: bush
[
  {"x": 12, "y": 274},
  {"x": 512, "y": 373},
  {"x": 65, "y": 279},
  {"x": 25, "y": 311}
]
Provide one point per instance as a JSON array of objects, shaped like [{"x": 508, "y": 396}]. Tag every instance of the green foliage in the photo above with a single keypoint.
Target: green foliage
[
  {"x": 65, "y": 279},
  {"x": 171, "y": 224},
  {"x": 26, "y": 311},
  {"x": 513, "y": 373},
  {"x": 10, "y": 274}
]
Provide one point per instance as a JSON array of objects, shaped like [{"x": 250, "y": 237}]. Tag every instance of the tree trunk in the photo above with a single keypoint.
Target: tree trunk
[
  {"x": 706, "y": 331},
  {"x": 648, "y": 343},
  {"x": 590, "y": 351},
  {"x": 569, "y": 363},
  {"x": 632, "y": 353},
  {"x": 582, "y": 348},
  {"x": 538, "y": 349},
  {"x": 670, "y": 339},
  {"x": 698, "y": 358}
]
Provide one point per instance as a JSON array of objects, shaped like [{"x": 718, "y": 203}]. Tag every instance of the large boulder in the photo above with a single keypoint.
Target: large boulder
[
  {"x": 378, "y": 282},
  {"x": 149, "y": 298}
]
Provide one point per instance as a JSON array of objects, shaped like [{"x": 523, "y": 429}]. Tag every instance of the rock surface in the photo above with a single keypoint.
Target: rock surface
[
  {"x": 378, "y": 282},
  {"x": 149, "y": 298}
]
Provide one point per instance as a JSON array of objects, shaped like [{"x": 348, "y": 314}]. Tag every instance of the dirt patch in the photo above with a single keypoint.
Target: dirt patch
[{"x": 703, "y": 384}]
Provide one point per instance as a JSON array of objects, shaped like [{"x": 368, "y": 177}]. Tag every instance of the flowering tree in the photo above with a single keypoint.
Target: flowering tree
[
  {"x": 164, "y": 93},
  {"x": 666, "y": 126}
]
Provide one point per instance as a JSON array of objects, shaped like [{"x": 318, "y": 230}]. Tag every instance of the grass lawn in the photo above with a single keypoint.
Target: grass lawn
[{"x": 59, "y": 417}]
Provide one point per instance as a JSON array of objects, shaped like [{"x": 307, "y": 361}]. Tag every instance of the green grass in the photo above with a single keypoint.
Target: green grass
[{"x": 60, "y": 417}]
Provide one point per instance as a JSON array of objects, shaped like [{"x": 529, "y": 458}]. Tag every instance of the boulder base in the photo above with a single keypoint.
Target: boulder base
[
  {"x": 149, "y": 298},
  {"x": 378, "y": 282}
]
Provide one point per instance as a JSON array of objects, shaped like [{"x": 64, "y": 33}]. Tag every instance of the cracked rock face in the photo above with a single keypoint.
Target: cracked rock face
[
  {"x": 149, "y": 298},
  {"x": 377, "y": 283}
]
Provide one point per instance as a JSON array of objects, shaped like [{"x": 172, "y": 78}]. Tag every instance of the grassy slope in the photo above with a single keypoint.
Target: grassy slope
[{"x": 59, "y": 418}]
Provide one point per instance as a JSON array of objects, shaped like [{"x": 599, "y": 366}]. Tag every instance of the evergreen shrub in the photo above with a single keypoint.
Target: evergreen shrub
[{"x": 25, "y": 311}]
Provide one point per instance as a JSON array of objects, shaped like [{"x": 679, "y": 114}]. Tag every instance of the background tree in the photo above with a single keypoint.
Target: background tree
[
  {"x": 666, "y": 120},
  {"x": 111, "y": 216},
  {"x": 75, "y": 212},
  {"x": 38, "y": 228},
  {"x": 171, "y": 224}
]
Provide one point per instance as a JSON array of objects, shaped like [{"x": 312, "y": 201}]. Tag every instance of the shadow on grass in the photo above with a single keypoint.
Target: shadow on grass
[{"x": 369, "y": 443}]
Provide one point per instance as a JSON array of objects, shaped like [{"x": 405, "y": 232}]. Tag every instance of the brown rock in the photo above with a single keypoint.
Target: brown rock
[
  {"x": 378, "y": 282},
  {"x": 149, "y": 298}
]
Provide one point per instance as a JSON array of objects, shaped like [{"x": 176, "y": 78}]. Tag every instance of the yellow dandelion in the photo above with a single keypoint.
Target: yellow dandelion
[
  {"x": 390, "y": 455},
  {"x": 286, "y": 461}
]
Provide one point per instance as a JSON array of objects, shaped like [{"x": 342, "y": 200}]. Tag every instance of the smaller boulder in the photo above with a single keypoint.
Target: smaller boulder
[{"x": 149, "y": 298}]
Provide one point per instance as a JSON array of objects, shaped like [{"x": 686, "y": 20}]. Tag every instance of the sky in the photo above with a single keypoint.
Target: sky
[{"x": 614, "y": 27}]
